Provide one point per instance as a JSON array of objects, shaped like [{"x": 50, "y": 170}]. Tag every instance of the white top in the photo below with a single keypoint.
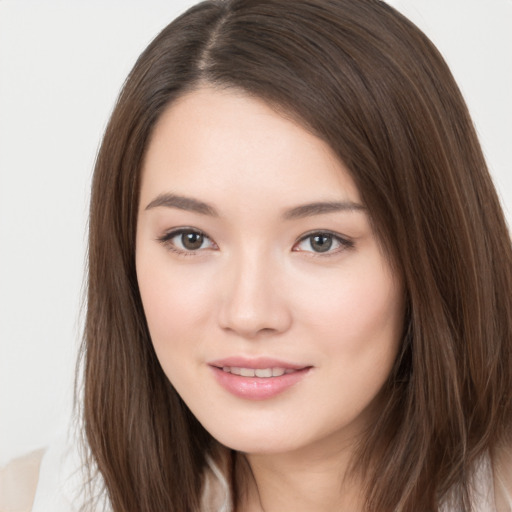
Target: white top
[{"x": 60, "y": 484}]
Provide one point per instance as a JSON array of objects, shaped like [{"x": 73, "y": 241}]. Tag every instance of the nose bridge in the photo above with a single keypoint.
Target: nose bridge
[{"x": 252, "y": 302}]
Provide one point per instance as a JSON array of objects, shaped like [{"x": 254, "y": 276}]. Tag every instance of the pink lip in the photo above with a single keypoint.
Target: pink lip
[{"x": 257, "y": 388}]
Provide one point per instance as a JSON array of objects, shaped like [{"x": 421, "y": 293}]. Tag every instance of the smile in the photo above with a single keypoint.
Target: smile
[
  {"x": 257, "y": 379},
  {"x": 264, "y": 373}
]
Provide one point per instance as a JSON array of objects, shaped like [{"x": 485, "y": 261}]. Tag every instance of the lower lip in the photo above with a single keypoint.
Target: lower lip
[{"x": 257, "y": 388}]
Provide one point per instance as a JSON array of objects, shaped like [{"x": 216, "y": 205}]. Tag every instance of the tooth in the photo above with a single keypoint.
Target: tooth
[
  {"x": 260, "y": 372},
  {"x": 267, "y": 372}
]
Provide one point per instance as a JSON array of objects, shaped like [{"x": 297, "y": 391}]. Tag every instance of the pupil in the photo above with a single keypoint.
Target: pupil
[
  {"x": 321, "y": 243},
  {"x": 192, "y": 241}
]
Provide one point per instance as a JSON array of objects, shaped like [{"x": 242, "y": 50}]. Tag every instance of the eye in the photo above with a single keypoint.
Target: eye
[
  {"x": 322, "y": 242},
  {"x": 187, "y": 240}
]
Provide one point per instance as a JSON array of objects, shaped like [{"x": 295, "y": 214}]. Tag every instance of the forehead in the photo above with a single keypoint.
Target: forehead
[{"x": 223, "y": 141}]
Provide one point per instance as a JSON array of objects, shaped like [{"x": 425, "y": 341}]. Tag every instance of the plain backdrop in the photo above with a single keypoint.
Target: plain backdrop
[{"x": 61, "y": 67}]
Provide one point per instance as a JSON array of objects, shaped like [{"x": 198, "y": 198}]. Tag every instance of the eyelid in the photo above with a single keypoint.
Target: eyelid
[
  {"x": 345, "y": 242},
  {"x": 166, "y": 238}
]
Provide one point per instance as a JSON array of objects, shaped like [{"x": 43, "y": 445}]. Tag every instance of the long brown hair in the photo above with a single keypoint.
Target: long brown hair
[{"x": 368, "y": 82}]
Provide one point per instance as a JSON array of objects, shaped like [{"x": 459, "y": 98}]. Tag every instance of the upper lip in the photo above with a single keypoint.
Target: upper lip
[{"x": 259, "y": 363}]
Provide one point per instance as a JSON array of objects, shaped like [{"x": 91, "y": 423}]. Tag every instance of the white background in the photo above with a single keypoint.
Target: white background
[{"x": 61, "y": 67}]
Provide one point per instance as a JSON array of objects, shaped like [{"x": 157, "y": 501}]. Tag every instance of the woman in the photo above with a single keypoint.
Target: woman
[{"x": 299, "y": 273}]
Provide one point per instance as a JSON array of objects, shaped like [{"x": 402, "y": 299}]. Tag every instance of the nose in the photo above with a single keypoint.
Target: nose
[{"x": 253, "y": 301}]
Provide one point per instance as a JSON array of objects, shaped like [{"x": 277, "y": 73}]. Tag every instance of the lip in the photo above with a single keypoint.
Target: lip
[
  {"x": 257, "y": 388},
  {"x": 258, "y": 363}
]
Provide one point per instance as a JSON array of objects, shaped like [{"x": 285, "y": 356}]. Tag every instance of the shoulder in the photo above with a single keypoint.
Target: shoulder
[
  {"x": 18, "y": 482},
  {"x": 502, "y": 469},
  {"x": 55, "y": 479},
  {"x": 216, "y": 494}
]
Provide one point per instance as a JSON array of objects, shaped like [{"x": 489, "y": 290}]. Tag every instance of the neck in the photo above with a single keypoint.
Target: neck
[{"x": 312, "y": 480}]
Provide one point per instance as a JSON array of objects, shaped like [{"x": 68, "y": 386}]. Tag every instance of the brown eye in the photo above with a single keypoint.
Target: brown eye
[
  {"x": 321, "y": 243},
  {"x": 187, "y": 241},
  {"x": 192, "y": 241}
]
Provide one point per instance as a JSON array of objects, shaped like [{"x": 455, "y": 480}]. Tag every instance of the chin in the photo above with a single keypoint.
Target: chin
[
  {"x": 252, "y": 438},
  {"x": 257, "y": 445}
]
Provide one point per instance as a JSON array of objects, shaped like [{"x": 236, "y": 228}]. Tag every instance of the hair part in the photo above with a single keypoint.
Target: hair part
[{"x": 370, "y": 84}]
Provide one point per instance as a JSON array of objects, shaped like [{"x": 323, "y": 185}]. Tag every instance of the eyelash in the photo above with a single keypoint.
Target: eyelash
[
  {"x": 343, "y": 243},
  {"x": 166, "y": 240}
]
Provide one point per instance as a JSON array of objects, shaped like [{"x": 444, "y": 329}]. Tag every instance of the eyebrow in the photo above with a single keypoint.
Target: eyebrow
[
  {"x": 298, "y": 212},
  {"x": 183, "y": 203},
  {"x": 322, "y": 207}
]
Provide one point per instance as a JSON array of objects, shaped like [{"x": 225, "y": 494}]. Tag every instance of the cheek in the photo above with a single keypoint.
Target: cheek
[
  {"x": 357, "y": 325},
  {"x": 362, "y": 304},
  {"x": 175, "y": 301}
]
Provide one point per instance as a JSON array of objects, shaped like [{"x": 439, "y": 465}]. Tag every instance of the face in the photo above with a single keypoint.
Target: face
[{"x": 271, "y": 307}]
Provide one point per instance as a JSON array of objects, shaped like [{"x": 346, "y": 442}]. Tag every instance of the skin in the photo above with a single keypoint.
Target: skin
[{"x": 258, "y": 287}]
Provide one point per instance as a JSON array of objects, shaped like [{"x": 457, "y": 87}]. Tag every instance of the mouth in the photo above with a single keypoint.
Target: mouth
[
  {"x": 262, "y": 367},
  {"x": 263, "y": 373},
  {"x": 257, "y": 379}
]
